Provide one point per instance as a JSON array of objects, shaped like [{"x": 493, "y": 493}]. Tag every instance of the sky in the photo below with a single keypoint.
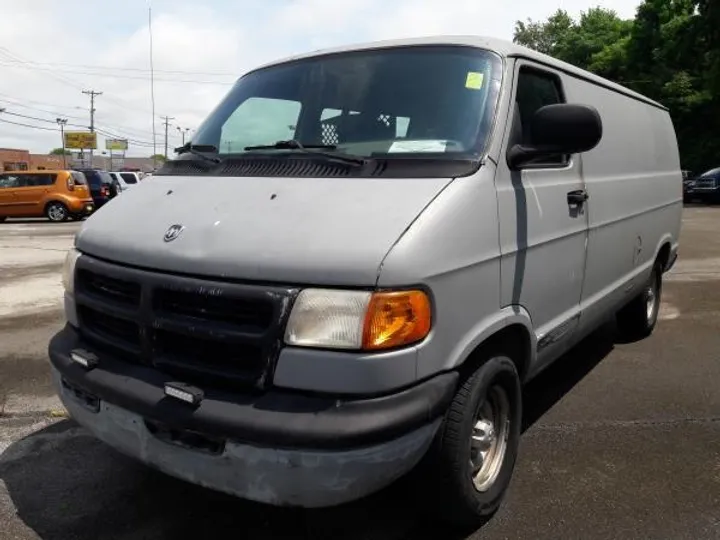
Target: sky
[{"x": 50, "y": 51}]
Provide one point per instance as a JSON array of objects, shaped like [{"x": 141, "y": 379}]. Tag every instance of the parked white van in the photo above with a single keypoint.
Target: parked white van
[
  {"x": 125, "y": 179},
  {"x": 357, "y": 263}
]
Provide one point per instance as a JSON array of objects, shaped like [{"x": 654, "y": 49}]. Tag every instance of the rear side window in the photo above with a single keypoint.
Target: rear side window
[
  {"x": 129, "y": 178},
  {"x": 93, "y": 179},
  {"x": 45, "y": 179},
  {"x": 36, "y": 180},
  {"x": 78, "y": 178},
  {"x": 105, "y": 178},
  {"x": 8, "y": 181},
  {"x": 535, "y": 90}
]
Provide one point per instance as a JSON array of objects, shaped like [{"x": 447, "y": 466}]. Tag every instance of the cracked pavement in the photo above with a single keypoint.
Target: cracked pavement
[{"x": 621, "y": 440}]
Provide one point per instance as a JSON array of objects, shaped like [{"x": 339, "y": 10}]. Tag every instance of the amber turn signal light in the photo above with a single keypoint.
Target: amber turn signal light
[{"x": 394, "y": 319}]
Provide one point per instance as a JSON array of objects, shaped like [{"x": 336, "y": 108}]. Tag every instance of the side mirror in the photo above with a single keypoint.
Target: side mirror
[{"x": 559, "y": 129}]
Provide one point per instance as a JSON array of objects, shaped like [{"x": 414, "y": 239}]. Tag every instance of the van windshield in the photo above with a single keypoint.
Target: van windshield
[{"x": 438, "y": 100}]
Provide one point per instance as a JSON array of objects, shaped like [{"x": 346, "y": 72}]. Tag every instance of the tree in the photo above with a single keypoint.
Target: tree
[
  {"x": 158, "y": 157},
  {"x": 60, "y": 152},
  {"x": 669, "y": 52},
  {"x": 545, "y": 37}
]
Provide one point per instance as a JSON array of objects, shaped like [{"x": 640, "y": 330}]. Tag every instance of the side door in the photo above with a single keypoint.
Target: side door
[
  {"x": 543, "y": 233},
  {"x": 31, "y": 191},
  {"x": 8, "y": 181}
]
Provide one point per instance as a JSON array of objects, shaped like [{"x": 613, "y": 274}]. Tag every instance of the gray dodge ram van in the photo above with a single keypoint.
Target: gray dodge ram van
[{"x": 356, "y": 264}]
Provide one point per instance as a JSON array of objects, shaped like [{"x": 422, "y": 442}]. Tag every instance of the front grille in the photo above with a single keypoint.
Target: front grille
[{"x": 201, "y": 331}]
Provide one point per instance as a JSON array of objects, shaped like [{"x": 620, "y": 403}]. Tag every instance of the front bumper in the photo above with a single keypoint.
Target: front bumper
[{"x": 279, "y": 447}]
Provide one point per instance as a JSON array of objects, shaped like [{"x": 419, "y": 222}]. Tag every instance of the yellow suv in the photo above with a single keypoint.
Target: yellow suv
[{"x": 57, "y": 195}]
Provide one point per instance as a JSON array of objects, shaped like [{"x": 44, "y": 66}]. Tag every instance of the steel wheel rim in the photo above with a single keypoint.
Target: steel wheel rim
[
  {"x": 56, "y": 212},
  {"x": 651, "y": 299},
  {"x": 489, "y": 438}
]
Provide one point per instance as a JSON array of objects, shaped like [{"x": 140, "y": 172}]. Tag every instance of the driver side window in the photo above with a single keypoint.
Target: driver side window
[{"x": 535, "y": 90}]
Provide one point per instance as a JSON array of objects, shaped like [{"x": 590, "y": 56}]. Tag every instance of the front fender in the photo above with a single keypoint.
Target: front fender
[{"x": 487, "y": 328}]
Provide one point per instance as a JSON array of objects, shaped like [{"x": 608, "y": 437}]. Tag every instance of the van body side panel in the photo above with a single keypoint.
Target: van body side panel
[
  {"x": 542, "y": 242},
  {"x": 634, "y": 183},
  {"x": 452, "y": 248}
]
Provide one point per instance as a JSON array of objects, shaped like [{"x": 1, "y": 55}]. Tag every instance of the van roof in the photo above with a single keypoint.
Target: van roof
[{"x": 504, "y": 48}]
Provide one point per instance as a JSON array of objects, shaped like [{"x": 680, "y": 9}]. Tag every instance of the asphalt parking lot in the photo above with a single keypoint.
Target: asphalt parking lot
[{"x": 622, "y": 440}]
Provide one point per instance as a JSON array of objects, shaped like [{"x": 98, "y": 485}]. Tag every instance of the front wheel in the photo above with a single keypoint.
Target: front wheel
[
  {"x": 56, "y": 212},
  {"x": 473, "y": 457}
]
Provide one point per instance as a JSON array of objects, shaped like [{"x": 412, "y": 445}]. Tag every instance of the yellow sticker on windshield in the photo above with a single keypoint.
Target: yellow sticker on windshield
[{"x": 474, "y": 80}]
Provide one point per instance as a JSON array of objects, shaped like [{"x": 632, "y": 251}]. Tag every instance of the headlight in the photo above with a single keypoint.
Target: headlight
[
  {"x": 68, "y": 274},
  {"x": 358, "y": 320}
]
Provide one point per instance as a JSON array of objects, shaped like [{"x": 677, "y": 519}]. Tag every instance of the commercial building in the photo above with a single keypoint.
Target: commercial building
[{"x": 12, "y": 159}]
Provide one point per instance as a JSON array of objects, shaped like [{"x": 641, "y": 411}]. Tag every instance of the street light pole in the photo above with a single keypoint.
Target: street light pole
[
  {"x": 62, "y": 122},
  {"x": 183, "y": 132}
]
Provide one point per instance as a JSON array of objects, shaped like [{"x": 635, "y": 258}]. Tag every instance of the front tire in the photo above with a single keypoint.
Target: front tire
[
  {"x": 57, "y": 212},
  {"x": 473, "y": 456},
  {"x": 638, "y": 319}
]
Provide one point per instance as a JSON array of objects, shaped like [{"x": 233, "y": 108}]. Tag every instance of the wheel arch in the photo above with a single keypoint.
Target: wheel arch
[
  {"x": 510, "y": 332},
  {"x": 664, "y": 252}
]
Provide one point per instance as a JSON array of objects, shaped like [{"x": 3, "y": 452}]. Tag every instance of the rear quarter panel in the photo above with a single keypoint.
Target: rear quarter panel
[{"x": 634, "y": 182}]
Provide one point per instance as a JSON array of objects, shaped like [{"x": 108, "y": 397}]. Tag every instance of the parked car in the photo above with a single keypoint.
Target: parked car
[
  {"x": 312, "y": 309},
  {"x": 126, "y": 179},
  {"x": 705, "y": 188},
  {"x": 101, "y": 185},
  {"x": 58, "y": 195}
]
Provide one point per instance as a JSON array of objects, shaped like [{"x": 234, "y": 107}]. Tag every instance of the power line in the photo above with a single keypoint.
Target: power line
[
  {"x": 27, "y": 125},
  {"x": 27, "y": 117},
  {"x": 68, "y": 82},
  {"x": 63, "y": 80},
  {"x": 111, "y": 131},
  {"x": 118, "y": 68},
  {"x": 112, "y": 75},
  {"x": 98, "y": 129},
  {"x": 14, "y": 101}
]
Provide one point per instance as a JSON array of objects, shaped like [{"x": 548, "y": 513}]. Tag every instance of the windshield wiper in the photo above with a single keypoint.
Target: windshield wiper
[
  {"x": 313, "y": 149},
  {"x": 198, "y": 150}
]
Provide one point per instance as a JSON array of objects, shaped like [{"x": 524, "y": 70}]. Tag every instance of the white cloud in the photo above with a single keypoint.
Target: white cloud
[{"x": 223, "y": 36}]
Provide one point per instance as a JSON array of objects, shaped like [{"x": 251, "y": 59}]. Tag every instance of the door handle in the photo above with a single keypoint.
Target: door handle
[{"x": 577, "y": 197}]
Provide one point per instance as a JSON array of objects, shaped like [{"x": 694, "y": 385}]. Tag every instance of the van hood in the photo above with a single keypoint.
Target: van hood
[{"x": 323, "y": 231}]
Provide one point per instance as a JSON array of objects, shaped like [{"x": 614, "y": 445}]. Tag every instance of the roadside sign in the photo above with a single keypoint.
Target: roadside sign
[
  {"x": 116, "y": 144},
  {"x": 81, "y": 140}
]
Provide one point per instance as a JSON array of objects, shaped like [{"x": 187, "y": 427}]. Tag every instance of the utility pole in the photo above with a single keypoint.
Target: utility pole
[
  {"x": 183, "y": 132},
  {"x": 62, "y": 122},
  {"x": 167, "y": 124},
  {"x": 92, "y": 94}
]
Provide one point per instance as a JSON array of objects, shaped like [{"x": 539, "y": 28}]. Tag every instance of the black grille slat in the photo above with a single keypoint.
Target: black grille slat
[
  {"x": 244, "y": 314},
  {"x": 205, "y": 330},
  {"x": 102, "y": 305},
  {"x": 109, "y": 288},
  {"x": 115, "y": 332},
  {"x": 222, "y": 362},
  {"x": 216, "y": 333}
]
